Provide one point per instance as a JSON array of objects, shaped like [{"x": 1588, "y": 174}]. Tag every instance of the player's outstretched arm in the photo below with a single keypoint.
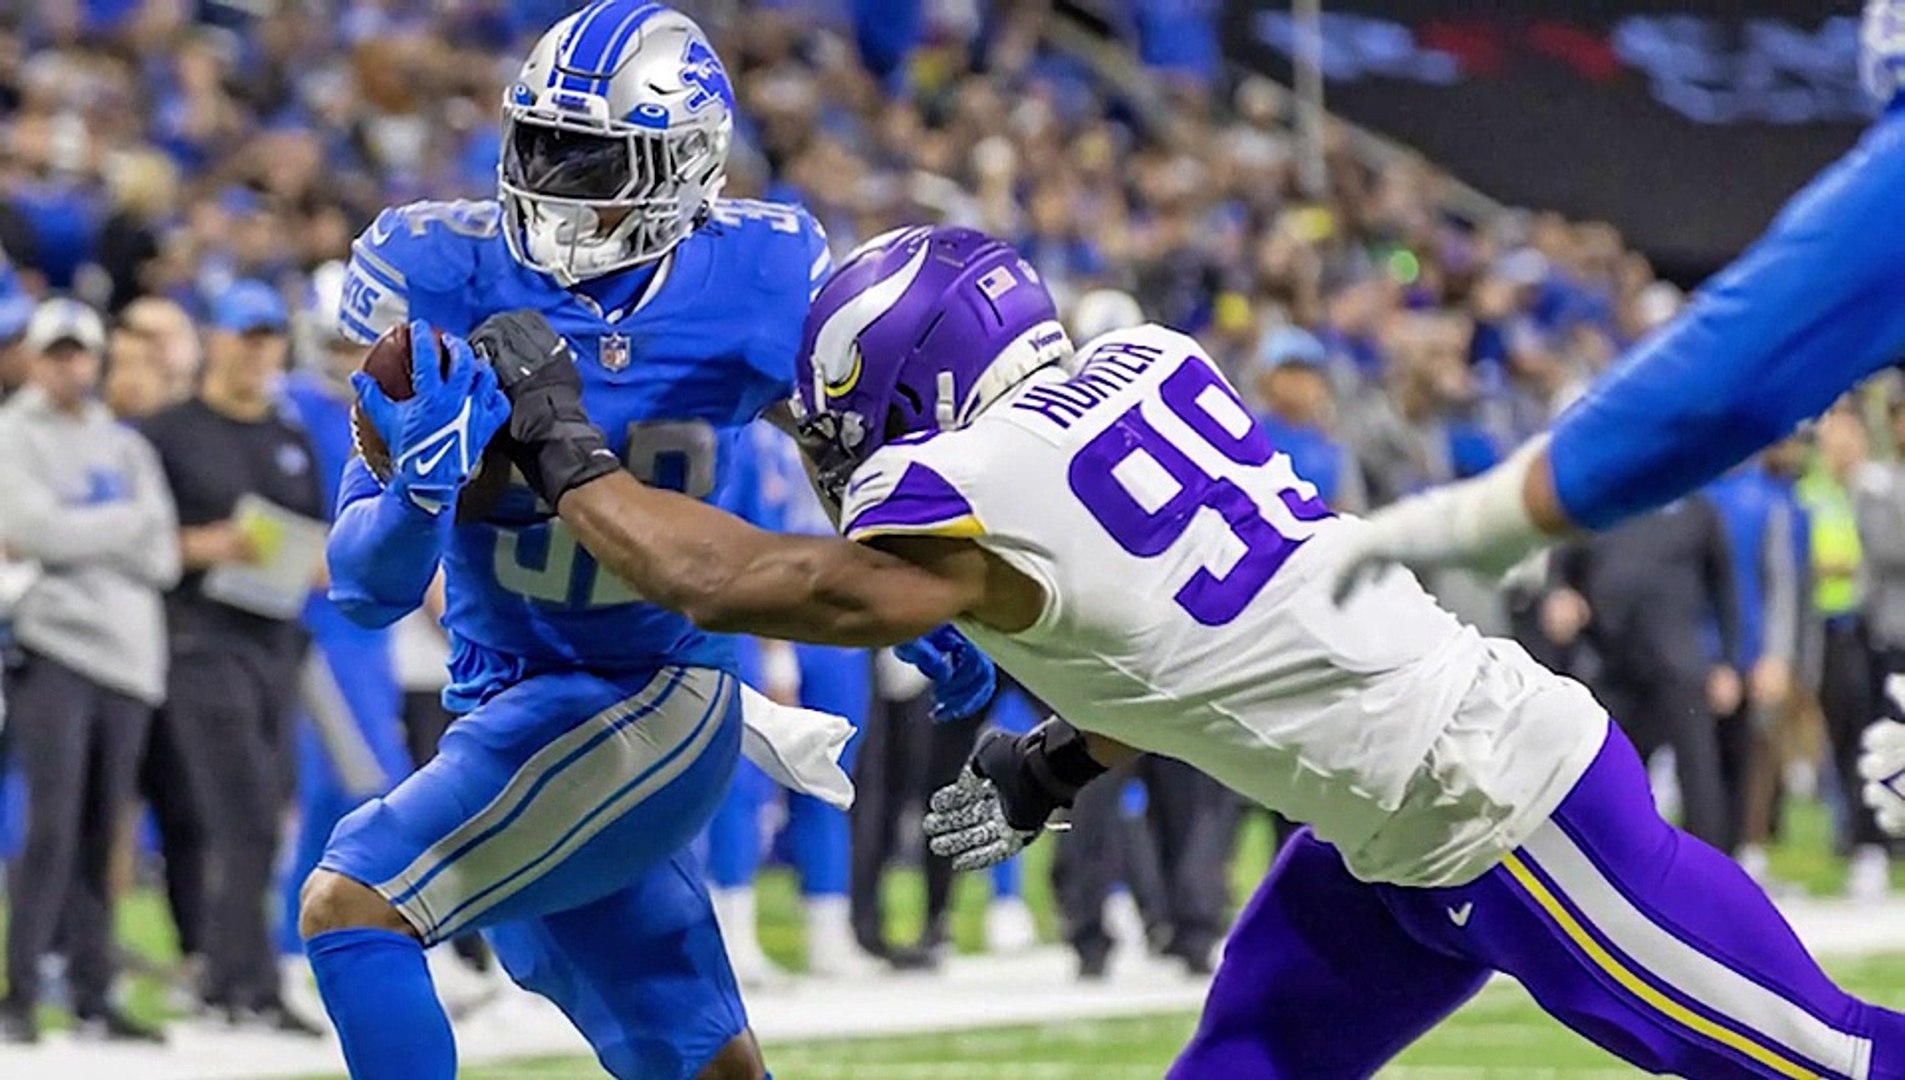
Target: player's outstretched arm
[
  {"x": 382, "y": 552},
  {"x": 731, "y": 577},
  {"x": 1488, "y": 523},
  {"x": 1817, "y": 304},
  {"x": 683, "y": 554}
]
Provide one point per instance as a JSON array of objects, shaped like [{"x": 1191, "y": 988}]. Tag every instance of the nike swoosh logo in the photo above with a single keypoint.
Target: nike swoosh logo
[
  {"x": 1459, "y": 915},
  {"x": 432, "y": 449},
  {"x": 426, "y": 466},
  {"x": 863, "y": 481}
]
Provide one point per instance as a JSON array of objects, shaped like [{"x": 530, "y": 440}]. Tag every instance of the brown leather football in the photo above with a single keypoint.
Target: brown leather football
[{"x": 388, "y": 362}]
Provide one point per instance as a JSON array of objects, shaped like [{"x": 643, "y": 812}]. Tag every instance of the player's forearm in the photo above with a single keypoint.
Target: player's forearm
[
  {"x": 382, "y": 553},
  {"x": 729, "y": 577}
]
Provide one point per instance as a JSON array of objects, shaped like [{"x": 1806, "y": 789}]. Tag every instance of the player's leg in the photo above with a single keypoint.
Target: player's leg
[
  {"x": 1656, "y": 946},
  {"x": 643, "y": 974},
  {"x": 549, "y": 796},
  {"x": 838, "y": 681},
  {"x": 1318, "y": 980}
]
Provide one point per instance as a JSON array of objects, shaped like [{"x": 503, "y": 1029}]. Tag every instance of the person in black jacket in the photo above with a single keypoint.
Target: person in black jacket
[
  {"x": 1644, "y": 594},
  {"x": 225, "y": 737}
]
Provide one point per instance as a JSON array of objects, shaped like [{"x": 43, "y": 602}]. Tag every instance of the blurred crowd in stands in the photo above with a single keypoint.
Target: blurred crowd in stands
[{"x": 179, "y": 181}]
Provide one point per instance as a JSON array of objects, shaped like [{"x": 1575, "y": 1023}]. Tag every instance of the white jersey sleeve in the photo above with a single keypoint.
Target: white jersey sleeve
[{"x": 1185, "y": 566}]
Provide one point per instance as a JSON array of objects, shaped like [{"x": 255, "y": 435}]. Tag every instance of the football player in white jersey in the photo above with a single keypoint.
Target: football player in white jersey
[{"x": 1117, "y": 532}]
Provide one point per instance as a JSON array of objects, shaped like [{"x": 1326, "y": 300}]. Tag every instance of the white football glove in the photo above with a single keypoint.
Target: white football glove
[
  {"x": 1882, "y": 767},
  {"x": 967, "y": 824},
  {"x": 1480, "y": 524}
]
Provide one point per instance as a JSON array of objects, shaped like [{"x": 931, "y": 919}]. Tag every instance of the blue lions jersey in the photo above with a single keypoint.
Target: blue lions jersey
[
  {"x": 671, "y": 379},
  {"x": 770, "y": 484}
]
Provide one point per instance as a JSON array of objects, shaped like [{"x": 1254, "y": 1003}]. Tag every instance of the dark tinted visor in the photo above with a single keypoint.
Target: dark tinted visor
[{"x": 567, "y": 164}]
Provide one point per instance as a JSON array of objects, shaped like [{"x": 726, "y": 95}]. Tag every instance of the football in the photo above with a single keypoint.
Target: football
[{"x": 388, "y": 362}]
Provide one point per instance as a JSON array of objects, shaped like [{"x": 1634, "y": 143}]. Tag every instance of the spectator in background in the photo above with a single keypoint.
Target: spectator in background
[
  {"x": 1293, "y": 386},
  {"x": 137, "y": 383},
  {"x": 174, "y": 340},
  {"x": 234, "y": 671},
  {"x": 1848, "y": 686},
  {"x": 85, "y": 497},
  {"x": 1416, "y": 432},
  {"x": 1766, "y": 534},
  {"x": 144, "y": 187},
  {"x": 1645, "y": 593}
]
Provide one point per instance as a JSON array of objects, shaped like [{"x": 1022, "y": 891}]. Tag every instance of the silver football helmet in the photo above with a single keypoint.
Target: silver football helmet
[{"x": 615, "y": 140}]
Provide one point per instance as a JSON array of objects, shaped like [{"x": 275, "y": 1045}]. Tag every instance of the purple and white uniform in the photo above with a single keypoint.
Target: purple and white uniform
[
  {"x": 1471, "y": 811},
  {"x": 1189, "y": 614}
]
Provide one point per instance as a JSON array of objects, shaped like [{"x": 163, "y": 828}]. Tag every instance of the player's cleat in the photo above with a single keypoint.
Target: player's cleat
[
  {"x": 1868, "y": 879},
  {"x": 112, "y": 1024},
  {"x": 1009, "y": 926},
  {"x": 1125, "y": 923},
  {"x": 461, "y": 986},
  {"x": 832, "y": 950},
  {"x": 735, "y": 912},
  {"x": 299, "y": 990}
]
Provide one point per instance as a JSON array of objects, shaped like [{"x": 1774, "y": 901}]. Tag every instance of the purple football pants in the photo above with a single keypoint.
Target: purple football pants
[{"x": 1639, "y": 937}]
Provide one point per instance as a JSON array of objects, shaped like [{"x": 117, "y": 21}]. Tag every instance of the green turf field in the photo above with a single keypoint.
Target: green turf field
[{"x": 1499, "y": 1035}]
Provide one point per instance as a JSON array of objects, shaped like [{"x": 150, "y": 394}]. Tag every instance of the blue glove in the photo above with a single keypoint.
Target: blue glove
[
  {"x": 437, "y": 435},
  {"x": 963, "y": 677}
]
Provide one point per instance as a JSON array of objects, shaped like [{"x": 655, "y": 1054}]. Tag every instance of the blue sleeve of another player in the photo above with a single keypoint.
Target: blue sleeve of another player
[
  {"x": 382, "y": 550},
  {"x": 1817, "y": 304}
]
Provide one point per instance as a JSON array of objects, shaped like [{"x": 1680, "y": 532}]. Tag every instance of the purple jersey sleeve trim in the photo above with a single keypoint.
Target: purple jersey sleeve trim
[{"x": 922, "y": 502}]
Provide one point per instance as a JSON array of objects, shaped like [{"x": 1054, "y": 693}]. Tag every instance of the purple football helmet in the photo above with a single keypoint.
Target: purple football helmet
[{"x": 919, "y": 330}]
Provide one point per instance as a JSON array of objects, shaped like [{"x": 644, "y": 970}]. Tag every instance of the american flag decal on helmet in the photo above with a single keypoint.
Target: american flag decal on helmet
[{"x": 997, "y": 282}]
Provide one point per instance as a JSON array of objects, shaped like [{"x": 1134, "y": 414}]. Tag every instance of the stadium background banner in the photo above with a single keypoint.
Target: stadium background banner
[{"x": 1685, "y": 123}]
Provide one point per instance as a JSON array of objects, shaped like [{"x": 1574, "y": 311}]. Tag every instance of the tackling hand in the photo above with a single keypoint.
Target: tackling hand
[
  {"x": 1479, "y": 524},
  {"x": 976, "y": 825},
  {"x": 1007, "y": 793},
  {"x": 437, "y": 435},
  {"x": 1882, "y": 766},
  {"x": 552, "y": 440}
]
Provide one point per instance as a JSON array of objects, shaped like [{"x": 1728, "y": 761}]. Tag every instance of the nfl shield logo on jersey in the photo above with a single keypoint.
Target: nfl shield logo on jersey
[{"x": 613, "y": 351}]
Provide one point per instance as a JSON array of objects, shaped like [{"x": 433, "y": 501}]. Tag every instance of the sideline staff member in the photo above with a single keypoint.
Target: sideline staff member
[
  {"x": 235, "y": 673},
  {"x": 84, "y": 497}
]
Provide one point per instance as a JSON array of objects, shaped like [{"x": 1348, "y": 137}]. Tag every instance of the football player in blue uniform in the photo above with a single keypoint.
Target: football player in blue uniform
[
  {"x": 1817, "y": 304},
  {"x": 598, "y": 732}
]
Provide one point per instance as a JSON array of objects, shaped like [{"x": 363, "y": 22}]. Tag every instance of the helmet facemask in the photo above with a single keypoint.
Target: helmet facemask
[{"x": 582, "y": 199}]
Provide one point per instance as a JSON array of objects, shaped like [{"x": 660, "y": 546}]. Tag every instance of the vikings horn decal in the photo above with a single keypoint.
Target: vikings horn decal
[{"x": 836, "y": 355}]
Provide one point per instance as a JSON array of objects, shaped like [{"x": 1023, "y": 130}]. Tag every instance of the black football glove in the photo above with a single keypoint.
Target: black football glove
[{"x": 550, "y": 438}]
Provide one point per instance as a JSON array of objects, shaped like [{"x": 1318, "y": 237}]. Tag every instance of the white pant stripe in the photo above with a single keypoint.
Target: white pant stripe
[
  {"x": 538, "y": 829},
  {"x": 1687, "y": 969}
]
